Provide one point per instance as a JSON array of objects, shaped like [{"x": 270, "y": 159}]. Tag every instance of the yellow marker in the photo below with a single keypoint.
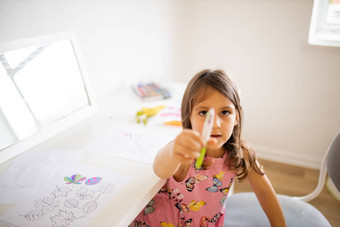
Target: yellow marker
[{"x": 143, "y": 115}]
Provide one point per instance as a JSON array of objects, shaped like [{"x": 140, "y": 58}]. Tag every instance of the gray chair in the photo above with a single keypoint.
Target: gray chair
[{"x": 243, "y": 209}]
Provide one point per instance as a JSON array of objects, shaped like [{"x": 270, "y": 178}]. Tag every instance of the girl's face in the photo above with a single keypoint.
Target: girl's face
[{"x": 226, "y": 118}]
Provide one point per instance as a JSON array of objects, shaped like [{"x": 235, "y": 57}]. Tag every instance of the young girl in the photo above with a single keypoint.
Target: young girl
[{"x": 196, "y": 196}]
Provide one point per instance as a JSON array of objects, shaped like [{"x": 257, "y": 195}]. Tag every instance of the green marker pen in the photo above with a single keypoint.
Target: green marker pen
[{"x": 206, "y": 132}]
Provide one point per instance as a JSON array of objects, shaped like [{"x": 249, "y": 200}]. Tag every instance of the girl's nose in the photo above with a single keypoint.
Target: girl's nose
[{"x": 217, "y": 122}]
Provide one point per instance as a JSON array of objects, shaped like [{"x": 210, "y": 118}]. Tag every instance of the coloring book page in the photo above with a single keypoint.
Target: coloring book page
[
  {"x": 69, "y": 197},
  {"x": 30, "y": 168}
]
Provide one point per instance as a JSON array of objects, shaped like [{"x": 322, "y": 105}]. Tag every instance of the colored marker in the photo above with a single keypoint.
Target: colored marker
[{"x": 206, "y": 132}]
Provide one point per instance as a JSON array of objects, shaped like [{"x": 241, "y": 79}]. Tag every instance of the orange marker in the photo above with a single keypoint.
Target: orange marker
[{"x": 175, "y": 123}]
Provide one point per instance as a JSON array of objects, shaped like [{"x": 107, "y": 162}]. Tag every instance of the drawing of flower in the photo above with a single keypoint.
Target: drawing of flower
[{"x": 74, "y": 179}]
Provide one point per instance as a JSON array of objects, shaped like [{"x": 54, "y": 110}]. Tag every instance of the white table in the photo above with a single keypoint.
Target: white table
[{"x": 144, "y": 184}]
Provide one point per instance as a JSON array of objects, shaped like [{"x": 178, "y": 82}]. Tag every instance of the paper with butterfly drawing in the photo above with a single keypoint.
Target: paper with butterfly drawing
[
  {"x": 70, "y": 196},
  {"x": 35, "y": 168}
]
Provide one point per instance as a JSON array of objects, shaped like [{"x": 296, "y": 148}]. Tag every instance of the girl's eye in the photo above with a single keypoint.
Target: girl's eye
[
  {"x": 203, "y": 113},
  {"x": 225, "y": 113}
]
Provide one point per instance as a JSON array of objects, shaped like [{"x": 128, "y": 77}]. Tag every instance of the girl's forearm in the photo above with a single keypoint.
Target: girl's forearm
[
  {"x": 267, "y": 198},
  {"x": 165, "y": 165},
  {"x": 273, "y": 210}
]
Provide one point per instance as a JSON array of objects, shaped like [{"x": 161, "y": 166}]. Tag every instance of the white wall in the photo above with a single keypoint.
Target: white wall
[
  {"x": 118, "y": 39},
  {"x": 289, "y": 89}
]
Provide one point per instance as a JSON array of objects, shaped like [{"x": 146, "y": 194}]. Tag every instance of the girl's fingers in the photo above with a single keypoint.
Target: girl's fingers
[
  {"x": 183, "y": 159},
  {"x": 191, "y": 134},
  {"x": 212, "y": 141},
  {"x": 186, "y": 152},
  {"x": 189, "y": 138},
  {"x": 187, "y": 146}
]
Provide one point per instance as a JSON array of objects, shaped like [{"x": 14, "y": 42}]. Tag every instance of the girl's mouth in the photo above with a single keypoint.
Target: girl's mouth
[{"x": 215, "y": 136}]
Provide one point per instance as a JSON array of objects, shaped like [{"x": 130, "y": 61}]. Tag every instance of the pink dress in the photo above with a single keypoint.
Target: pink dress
[{"x": 196, "y": 201}]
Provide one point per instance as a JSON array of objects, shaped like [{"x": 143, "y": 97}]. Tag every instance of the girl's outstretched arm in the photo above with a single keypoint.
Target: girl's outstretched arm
[
  {"x": 178, "y": 154},
  {"x": 267, "y": 197}
]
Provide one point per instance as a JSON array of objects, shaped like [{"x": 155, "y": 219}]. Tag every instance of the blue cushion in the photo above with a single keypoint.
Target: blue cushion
[{"x": 243, "y": 209}]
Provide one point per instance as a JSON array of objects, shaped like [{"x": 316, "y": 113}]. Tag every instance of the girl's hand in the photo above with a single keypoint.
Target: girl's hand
[
  {"x": 212, "y": 142},
  {"x": 187, "y": 145}
]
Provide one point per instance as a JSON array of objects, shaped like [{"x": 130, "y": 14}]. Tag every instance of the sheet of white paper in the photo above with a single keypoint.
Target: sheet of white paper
[
  {"x": 35, "y": 168},
  {"x": 134, "y": 141},
  {"x": 64, "y": 196}
]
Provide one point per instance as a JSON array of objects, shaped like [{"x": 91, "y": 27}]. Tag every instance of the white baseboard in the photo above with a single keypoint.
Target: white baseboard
[{"x": 287, "y": 157}]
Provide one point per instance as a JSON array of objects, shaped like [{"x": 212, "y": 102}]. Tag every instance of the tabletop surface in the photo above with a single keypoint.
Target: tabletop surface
[{"x": 143, "y": 184}]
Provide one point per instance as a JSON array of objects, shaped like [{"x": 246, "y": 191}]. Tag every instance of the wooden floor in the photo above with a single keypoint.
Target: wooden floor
[{"x": 297, "y": 181}]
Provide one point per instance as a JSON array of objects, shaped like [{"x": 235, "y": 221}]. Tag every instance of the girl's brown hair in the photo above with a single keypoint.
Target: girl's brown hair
[{"x": 241, "y": 157}]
